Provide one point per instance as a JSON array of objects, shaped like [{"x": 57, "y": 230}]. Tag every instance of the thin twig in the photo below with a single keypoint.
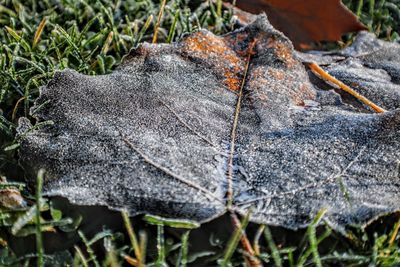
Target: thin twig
[
  {"x": 327, "y": 77},
  {"x": 130, "y": 260},
  {"x": 234, "y": 130},
  {"x": 251, "y": 261}
]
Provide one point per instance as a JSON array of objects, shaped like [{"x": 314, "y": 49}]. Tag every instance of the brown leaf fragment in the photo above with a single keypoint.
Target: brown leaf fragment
[
  {"x": 305, "y": 22},
  {"x": 11, "y": 198}
]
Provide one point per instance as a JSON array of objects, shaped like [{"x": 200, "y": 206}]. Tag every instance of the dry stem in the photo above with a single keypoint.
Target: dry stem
[{"x": 327, "y": 77}]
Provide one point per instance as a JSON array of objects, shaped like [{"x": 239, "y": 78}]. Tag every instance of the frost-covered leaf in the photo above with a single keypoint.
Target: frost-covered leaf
[{"x": 155, "y": 136}]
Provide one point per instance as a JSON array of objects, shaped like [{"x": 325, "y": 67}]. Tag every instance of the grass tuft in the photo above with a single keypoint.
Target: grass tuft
[{"x": 381, "y": 16}]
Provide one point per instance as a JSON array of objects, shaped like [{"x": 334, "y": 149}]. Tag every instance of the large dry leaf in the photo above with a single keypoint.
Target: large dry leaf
[
  {"x": 155, "y": 135},
  {"x": 307, "y": 21}
]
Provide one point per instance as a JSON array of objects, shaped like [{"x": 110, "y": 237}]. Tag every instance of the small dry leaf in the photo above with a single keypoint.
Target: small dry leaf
[
  {"x": 307, "y": 21},
  {"x": 155, "y": 136},
  {"x": 11, "y": 199}
]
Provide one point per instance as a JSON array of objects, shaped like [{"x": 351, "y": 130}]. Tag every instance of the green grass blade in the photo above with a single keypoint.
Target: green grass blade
[
  {"x": 81, "y": 257},
  {"x": 183, "y": 253},
  {"x": 23, "y": 220},
  {"x": 359, "y": 7},
  {"x": 143, "y": 246},
  {"x": 272, "y": 246},
  {"x": 234, "y": 241},
  {"x": 144, "y": 29},
  {"x": 313, "y": 241},
  {"x": 38, "y": 199},
  {"x": 89, "y": 250},
  {"x": 313, "y": 237},
  {"x": 172, "y": 30},
  {"x": 160, "y": 247},
  {"x": 175, "y": 223}
]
